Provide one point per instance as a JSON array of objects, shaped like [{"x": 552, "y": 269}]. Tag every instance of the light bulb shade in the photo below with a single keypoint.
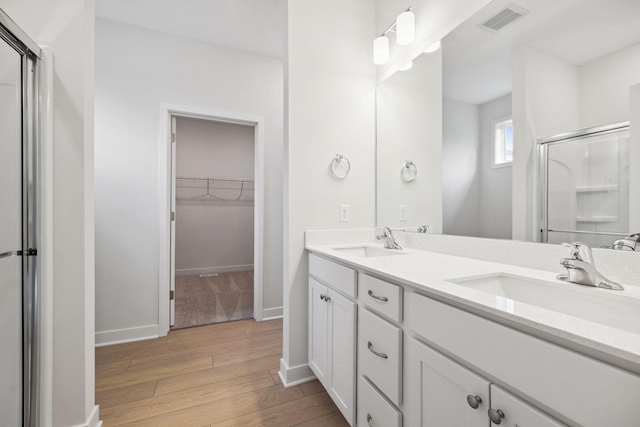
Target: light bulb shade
[
  {"x": 407, "y": 66},
  {"x": 380, "y": 50},
  {"x": 433, "y": 48},
  {"x": 405, "y": 28}
]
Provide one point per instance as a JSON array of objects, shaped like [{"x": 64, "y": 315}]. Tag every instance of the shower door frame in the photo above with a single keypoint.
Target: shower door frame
[
  {"x": 31, "y": 55},
  {"x": 166, "y": 176},
  {"x": 543, "y": 159}
]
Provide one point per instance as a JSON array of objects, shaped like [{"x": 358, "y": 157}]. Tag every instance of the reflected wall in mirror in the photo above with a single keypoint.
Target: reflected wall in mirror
[
  {"x": 561, "y": 66},
  {"x": 409, "y": 117}
]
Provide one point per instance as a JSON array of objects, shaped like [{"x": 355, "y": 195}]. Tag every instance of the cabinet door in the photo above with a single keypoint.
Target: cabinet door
[
  {"x": 440, "y": 392},
  {"x": 510, "y": 411},
  {"x": 342, "y": 321},
  {"x": 319, "y": 331}
]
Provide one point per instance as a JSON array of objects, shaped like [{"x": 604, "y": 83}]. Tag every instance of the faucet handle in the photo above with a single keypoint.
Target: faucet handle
[
  {"x": 580, "y": 251},
  {"x": 574, "y": 250}
]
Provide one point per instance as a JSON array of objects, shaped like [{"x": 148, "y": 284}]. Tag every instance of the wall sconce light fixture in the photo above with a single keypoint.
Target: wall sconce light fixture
[
  {"x": 405, "y": 28},
  {"x": 380, "y": 50}
]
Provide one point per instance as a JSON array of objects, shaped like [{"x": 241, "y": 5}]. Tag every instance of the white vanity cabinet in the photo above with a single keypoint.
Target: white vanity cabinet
[
  {"x": 510, "y": 411},
  {"x": 429, "y": 360},
  {"x": 332, "y": 332},
  {"x": 441, "y": 392}
]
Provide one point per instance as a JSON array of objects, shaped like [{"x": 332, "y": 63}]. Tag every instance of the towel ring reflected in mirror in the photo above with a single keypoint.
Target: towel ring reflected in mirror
[
  {"x": 340, "y": 167},
  {"x": 409, "y": 171}
]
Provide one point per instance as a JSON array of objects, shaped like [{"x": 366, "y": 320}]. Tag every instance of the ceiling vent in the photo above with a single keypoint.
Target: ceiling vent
[{"x": 506, "y": 16}]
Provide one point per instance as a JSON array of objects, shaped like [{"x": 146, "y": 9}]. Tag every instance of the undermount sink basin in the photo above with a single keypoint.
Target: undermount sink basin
[
  {"x": 369, "y": 251},
  {"x": 587, "y": 303}
]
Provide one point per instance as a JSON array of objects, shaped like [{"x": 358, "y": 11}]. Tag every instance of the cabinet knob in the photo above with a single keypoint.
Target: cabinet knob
[
  {"x": 474, "y": 401},
  {"x": 496, "y": 415},
  {"x": 322, "y": 297},
  {"x": 370, "y": 420}
]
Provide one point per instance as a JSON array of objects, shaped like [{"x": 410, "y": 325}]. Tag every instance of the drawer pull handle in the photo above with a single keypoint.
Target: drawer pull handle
[
  {"x": 382, "y": 355},
  {"x": 370, "y": 421},
  {"x": 474, "y": 401},
  {"x": 384, "y": 299},
  {"x": 496, "y": 416}
]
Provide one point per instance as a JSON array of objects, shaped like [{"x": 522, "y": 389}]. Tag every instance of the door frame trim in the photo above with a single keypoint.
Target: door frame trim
[{"x": 164, "y": 201}]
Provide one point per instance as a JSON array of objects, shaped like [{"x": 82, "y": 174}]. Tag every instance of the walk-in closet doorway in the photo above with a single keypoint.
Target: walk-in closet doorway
[{"x": 214, "y": 219}]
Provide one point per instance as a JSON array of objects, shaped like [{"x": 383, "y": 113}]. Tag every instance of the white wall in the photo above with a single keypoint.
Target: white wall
[
  {"x": 136, "y": 71},
  {"x": 409, "y": 127},
  {"x": 461, "y": 168},
  {"x": 214, "y": 235},
  {"x": 330, "y": 98},
  {"x": 67, "y": 27},
  {"x": 604, "y": 87},
  {"x": 495, "y": 182},
  {"x": 545, "y": 103}
]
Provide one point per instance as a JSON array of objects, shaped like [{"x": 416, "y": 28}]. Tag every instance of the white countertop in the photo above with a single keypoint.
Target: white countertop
[{"x": 429, "y": 272}]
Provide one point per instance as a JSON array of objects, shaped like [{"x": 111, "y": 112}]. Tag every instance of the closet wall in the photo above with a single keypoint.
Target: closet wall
[{"x": 214, "y": 232}]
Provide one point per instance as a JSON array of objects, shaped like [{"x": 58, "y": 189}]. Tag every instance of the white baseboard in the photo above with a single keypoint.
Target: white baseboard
[
  {"x": 119, "y": 336},
  {"x": 205, "y": 270},
  {"x": 272, "y": 313},
  {"x": 291, "y": 376},
  {"x": 93, "y": 420}
]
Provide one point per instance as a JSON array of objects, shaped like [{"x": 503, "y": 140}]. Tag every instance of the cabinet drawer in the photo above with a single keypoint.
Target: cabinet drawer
[
  {"x": 555, "y": 379},
  {"x": 381, "y": 296},
  {"x": 335, "y": 275},
  {"x": 380, "y": 354},
  {"x": 373, "y": 409}
]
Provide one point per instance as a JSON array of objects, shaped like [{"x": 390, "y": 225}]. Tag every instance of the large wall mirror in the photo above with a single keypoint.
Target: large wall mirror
[{"x": 465, "y": 122}]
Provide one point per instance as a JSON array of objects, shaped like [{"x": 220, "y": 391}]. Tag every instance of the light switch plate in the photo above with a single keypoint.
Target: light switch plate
[
  {"x": 402, "y": 212},
  {"x": 345, "y": 213}
]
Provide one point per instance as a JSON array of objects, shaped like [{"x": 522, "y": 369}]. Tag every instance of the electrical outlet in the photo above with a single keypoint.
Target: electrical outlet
[
  {"x": 402, "y": 212},
  {"x": 345, "y": 213}
]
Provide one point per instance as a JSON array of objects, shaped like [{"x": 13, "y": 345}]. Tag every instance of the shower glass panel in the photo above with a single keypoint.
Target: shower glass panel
[
  {"x": 587, "y": 191},
  {"x": 19, "y": 67},
  {"x": 11, "y": 234}
]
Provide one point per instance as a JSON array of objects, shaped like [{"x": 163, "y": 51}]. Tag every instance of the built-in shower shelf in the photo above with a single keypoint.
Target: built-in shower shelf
[
  {"x": 596, "y": 188},
  {"x": 596, "y": 219}
]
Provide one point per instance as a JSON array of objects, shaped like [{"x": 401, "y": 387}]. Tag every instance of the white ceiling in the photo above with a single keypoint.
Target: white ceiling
[
  {"x": 256, "y": 26},
  {"x": 477, "y": 63}
]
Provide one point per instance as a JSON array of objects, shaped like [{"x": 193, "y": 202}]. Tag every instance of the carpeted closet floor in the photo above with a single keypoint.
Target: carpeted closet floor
[{"x": 213, "y": 299}]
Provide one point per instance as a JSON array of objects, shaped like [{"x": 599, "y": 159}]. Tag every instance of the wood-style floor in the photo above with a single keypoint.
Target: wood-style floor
[{"x": 215, "y": 375}]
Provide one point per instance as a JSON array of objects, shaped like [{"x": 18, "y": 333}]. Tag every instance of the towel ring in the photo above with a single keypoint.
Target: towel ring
[
  {"x": 409, "y": 171},
  {"x": 335, "y": 166}
]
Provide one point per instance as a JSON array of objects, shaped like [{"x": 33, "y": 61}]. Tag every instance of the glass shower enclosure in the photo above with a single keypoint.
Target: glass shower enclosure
[
  {"x": 19, "y": 62},
  {"x": 585, "y": 186}
]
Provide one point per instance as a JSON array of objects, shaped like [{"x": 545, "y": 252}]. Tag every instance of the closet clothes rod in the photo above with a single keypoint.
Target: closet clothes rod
[{"x": 217, "y": 189}]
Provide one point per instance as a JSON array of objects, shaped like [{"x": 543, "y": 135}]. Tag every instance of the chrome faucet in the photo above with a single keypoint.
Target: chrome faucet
[
  {"x": 389, "y": 240},
  {"x": 581, "y": 268},
  {"x": 629, "y": 243}
]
